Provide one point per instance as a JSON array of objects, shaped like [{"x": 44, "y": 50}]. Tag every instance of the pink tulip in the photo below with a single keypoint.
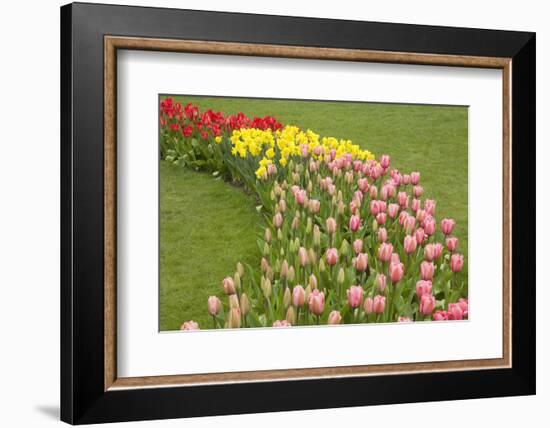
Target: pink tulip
[
  {"x": 302, "y": 256},
  {"x": 382, "y": 234},
  {"x": 189, "y": 325},
  {"x": 404, "y": 319},
  {"x": 383, "y": 206},
  {"x": 332, "y": 256},
  {"x": 368, "y": 306},
  {"x": 402, "y": 217},
  {"x": 423, "y": 287},
  {"x": 380, "y": 282},
  {"x": 384, "y": 161},
  {"x": 384, "y": 193},
  {"x": 415, "y": 205},
  {"x": 277, "y": 220},
  {"x": 354, "y": 223},
  {"x": 429, "y": 206},
  {"x": 409, "y": 244},
  {"x": 402, "y": 199},
  {"x": 314, "y": 206},
  {"x": 363, "y": 184},
  {"x": 355, "y": 296},
  {"x": 447, "y": 225},
  {"x": 381, "y": 218},
  {"x": 393, "y": 209},
  {"x": 228, "y": 285},
  {"x": 374, "y": 207},
  {"x": 214, "y": 305},
  {"x": 282, "y": 205},
  {"x": 420, "y": 215},
  {"x": 396, "y": 271},
  {"x": 379, "y": 304},
  {"x": 353, "y": 205},
  {"x": 415, "y": 178},
  {"x": 300, "y": 197},
  {"x": 429, "y": 252},
  {"x": 373, "y": 192},
  {"x": 463, "y": 303},
  {"x": 384, "y": 252},
  {"x": 427, "y": 270},
  {"x": 298, "y": 295},
  {"x": 454, "y": 312},
  {"x": 358, "y": 246},
  {"x": 406, "y": 179},
  {"x": 409, "y": 223},
  {"x": 438, "y": 250},
  {"x": 331, "y": 225},
  {"x": 419, "y": 235},
  {"x": 452, "y": 243},
  {"x": 395, "y": 258},
  {"x": 283, "y": 323},
  {"x": 427, "y": 304},
  {"x": 304, "y": 150},
  {"x": 334, "y": 318},
  {"x": 417, "y": 191},
  {"x": 362, "y": 262},
  {"x": 439, "y": 316},
  {"x": 457, "y": 260},
  {"x": 316, "y": 302},
  {"x": 429, "y": 225}
]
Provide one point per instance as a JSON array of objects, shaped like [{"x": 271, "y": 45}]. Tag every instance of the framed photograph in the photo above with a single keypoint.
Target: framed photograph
[{"x": 265, "y": 213}]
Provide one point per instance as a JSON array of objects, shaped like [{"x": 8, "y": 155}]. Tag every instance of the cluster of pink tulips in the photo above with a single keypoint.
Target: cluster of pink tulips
[{"x": 346, "y": 241}]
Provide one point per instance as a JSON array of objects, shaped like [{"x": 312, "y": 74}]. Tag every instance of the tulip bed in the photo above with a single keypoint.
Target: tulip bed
[{"x": 346, "y": 238}]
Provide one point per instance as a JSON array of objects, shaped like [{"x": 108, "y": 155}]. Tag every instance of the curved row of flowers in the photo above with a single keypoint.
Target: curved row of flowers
[{"x": 347, "y": 239}]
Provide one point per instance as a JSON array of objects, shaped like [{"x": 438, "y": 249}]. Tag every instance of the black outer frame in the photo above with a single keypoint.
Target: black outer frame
[{"x": 83, "y": 399}]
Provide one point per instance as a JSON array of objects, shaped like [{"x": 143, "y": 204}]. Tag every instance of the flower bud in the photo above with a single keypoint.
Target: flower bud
[
  {"x": 240, "y": 269},
  {"x": 316, "y": 236},
  {"x": 298, "y": 296},
  {"x": 291, "y": 274},
  {"x": 237, "y": 281},
  {"x": 266, "y": 287},
  {"x": 233, "y": 301},
  {"x": 334, "y": 318},
  {"x": 266, "y": 249},
  {"x": 291, "y": 315},
  {"x": 214, "y": 305},
  {"x": 302, "y": 256},
  {"x": 341, "y": 276},
  {"x": 331, "y": 225},
  {"x": 278, "y": 220},
  {"x": 322, "y": 266},
  {"x": 287, "y": 297},
  {"x": 245, "y": 304},
  {"x": 344, "y": 247},
  {"x": 284, "y": 269},
  {"x": 267, "y": 234},
  {"x": 312, "y": 257},
  {"x": 234, "y": 318},
  {"x": 313, "y": 281},
  {"x": 228, "y": 285}
]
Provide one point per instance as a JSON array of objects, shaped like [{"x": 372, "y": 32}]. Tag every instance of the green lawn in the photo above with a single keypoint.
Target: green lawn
[{"x": 207, "y": 225}]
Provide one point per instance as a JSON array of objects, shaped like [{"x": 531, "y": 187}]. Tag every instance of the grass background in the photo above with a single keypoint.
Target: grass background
[{"x": 208, "y": 225}]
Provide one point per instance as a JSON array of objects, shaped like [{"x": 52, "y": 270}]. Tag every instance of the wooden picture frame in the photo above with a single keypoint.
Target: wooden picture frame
[{"x": 91, "y": 390}]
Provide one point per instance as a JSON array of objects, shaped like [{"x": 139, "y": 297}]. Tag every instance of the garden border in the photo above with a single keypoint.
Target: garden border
[{"x": 90, "y": 35}]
